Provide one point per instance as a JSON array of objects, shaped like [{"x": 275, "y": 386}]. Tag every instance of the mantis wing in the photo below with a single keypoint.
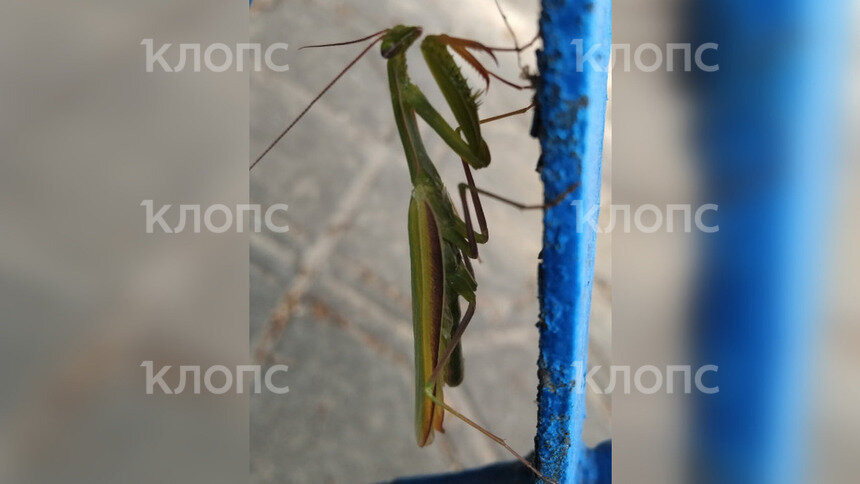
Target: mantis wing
[{"x": 428, "y": 294}]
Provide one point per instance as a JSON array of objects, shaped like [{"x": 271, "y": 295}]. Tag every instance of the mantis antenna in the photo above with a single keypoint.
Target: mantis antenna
[{"x": 330, "y": 84}]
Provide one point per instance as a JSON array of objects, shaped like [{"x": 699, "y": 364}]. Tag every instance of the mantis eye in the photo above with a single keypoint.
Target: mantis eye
[
  {"x": 403, "y": 42},
  {"x": 388, "y": 52}
]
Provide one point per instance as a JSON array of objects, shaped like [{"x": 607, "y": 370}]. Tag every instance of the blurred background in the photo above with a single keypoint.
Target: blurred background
[{"x": 87, "y": 295}]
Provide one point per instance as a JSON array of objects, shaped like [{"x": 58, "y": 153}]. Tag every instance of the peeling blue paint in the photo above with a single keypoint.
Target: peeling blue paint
[{"x": 572, "y": 97}]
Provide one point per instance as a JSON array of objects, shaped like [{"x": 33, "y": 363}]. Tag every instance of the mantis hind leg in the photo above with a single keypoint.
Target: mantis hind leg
[
  {"x": 495, "y": 438},
  {"x": 453, "y": 345},
  {"x": 434, "y": 380},
  {"x": 452, "y": 357}
]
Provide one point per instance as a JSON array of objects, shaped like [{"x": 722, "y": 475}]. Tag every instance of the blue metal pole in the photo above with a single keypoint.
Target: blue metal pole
[{"x": 572, "y": 95}]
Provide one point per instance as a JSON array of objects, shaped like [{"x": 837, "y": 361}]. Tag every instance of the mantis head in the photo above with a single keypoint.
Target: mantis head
[{"x": 398, "y": 39}]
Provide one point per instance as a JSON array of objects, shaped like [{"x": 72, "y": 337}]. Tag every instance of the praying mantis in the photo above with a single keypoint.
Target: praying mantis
[{"x": 442, "y": 243}]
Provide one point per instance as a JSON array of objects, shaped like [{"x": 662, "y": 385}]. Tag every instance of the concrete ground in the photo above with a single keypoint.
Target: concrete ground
[{"x": 331, "y": 297}]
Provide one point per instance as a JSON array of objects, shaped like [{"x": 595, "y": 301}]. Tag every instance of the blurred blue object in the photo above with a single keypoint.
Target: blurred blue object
[{"x": 767, "y": 136}]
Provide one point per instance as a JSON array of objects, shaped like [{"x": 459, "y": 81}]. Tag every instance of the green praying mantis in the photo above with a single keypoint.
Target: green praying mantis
[{"x": 442, "y": 243}]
